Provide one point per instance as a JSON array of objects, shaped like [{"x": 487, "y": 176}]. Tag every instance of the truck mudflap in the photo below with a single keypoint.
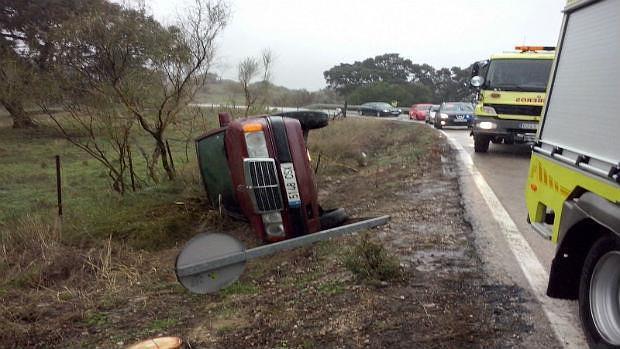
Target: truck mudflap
[{"x": 210, "y": 262}]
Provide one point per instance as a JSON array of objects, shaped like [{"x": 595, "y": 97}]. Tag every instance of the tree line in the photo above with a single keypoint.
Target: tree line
[{"x": 390, "y": 77}]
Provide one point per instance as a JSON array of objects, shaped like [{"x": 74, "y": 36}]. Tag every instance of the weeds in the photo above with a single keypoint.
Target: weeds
[
  {"x": 239, "y": 288},
  {"x": 160, "y": 325},
  {"x": 370, "y": 261}
]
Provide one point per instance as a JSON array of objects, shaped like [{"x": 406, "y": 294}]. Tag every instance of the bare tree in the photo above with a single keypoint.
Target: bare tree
[
  {"x": 104, "y": 134},
  {"x": 248, "y": 70},
  {"x": 151, "y": 71}
]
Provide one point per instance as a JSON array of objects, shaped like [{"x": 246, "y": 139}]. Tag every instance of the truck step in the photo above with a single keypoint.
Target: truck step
[{"x": 543, "y": 229}]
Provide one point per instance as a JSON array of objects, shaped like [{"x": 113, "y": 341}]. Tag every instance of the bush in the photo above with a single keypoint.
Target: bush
[{"x": 370, "y": 261}]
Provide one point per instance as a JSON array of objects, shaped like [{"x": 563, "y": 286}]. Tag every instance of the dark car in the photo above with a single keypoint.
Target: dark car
[
  {"x": 454, "y": 114},
  {"x": 378, "y": 109}
]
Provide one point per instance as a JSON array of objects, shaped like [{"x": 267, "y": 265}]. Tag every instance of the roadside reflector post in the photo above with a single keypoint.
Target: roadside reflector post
[{"x": 210, "y": 262}]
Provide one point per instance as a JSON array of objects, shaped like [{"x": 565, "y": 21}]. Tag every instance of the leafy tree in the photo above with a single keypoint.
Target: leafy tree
[
  {"x": 26, "y": 48},
  {"x": 390, "y": 77},
  {"x": 390, "y": 68},
  {"x": 386, "y": 92}
]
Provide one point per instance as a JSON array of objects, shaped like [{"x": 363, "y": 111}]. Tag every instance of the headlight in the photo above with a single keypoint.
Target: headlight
[
  {"x": 443, "y": 116},
  {"x": 257, "y": 146},
  {"x": 489, "y": 110},
  {"x": 273, "y": 224},
  {"x": 487, "y": 125},
  {"x": 385, "y": 111}
]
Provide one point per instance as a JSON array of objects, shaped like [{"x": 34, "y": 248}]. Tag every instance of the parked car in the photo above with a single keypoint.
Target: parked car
[
  {"x": 419, "y": 111},
  {"x": 378, "y": 109},
  {"x": 430, "y": 116},
  {"x": 258, "y": 168},
  {"x": 454, "y": 114}
]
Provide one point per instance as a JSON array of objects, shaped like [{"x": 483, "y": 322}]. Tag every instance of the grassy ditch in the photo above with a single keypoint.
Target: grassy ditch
[{"x": 103, "y": 275}]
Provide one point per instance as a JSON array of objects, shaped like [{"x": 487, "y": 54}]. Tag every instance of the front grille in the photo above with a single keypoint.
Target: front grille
[
  {"x": 532, "y": 110},
  {"x": 261, "y": 178}
]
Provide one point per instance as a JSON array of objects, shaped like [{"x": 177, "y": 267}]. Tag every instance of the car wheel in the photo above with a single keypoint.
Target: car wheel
[
  {"x": 481, "y": 143},
  {"x": 599, "y": 301},
  {"x": 333, "y": 218}
]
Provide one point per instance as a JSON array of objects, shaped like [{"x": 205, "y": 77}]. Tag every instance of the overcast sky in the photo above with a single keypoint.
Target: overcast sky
[{"x": 308, "y": 37}]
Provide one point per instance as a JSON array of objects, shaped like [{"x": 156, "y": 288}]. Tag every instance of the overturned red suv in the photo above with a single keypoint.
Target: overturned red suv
[{"x": 259, "y": 168}]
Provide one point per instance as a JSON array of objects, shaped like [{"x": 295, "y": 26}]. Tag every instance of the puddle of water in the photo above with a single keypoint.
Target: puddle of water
[{"x": 432, "y": 260}]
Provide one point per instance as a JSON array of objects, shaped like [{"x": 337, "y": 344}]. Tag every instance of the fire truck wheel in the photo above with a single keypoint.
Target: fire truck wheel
[
  {"x": 333, "y": 218},
  {"x": 599, "y": 293}
]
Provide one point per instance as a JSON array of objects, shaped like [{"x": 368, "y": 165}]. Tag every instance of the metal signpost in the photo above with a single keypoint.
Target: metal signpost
[{"x": 210, "y": 262}]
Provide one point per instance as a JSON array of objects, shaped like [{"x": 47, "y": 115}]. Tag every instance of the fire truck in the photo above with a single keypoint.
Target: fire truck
[
  {"x": 573, "y": 187},
  {"x": 510, "y": 95}
]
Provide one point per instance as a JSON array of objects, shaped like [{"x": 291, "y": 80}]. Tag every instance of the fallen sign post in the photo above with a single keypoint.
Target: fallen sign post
[{"x": 210, "y": 262}]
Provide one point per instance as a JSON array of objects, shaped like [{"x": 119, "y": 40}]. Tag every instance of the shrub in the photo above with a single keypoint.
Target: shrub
[{"x": 370, "y": 261}]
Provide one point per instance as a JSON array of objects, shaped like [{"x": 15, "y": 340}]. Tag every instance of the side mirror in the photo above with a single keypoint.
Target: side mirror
[{"x": 476, "y": 81}]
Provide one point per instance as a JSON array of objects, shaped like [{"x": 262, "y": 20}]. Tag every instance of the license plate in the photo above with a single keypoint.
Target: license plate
[
  {"x": 529, "y": 126},
  {"x": 290, "y": 184}
]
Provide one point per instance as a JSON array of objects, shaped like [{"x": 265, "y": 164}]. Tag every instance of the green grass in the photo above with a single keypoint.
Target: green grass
[
  {"x": 332, "y": 288},
  {"x": 160, "y": 325},
  {"x": 96, "y": 319},
  {"x": 148, "y": 218}
]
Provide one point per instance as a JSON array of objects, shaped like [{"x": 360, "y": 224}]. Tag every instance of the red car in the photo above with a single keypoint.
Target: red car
[
  {"x": 419, "y": 111},
  {"x": 259, "y": 167}
]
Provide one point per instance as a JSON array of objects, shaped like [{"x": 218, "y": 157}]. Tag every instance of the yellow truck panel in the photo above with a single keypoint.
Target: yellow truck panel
[{"x": 550, "y": 183}]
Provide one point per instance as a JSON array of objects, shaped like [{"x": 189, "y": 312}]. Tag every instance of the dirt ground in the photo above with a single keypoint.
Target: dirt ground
[
  {"x": 307, "y": 298},
  {"x": 445, "y": 300}
]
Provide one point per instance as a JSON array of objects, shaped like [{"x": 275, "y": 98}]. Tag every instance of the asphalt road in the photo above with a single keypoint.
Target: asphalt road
[{"x": 504, "y": 168}]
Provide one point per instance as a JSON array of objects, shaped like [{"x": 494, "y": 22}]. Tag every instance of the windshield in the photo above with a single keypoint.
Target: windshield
[
  {"x": 464, "y": 107},
  {"x": 384, "y": 106},
  {"x": 518, "y": 74}
]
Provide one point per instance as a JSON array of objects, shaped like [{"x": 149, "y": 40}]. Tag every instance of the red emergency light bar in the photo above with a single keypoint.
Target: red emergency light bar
[{"x": 535, "y": 48}]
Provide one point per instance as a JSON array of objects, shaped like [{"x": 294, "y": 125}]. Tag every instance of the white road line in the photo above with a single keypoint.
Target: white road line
[{"x": 564, "y": 325}]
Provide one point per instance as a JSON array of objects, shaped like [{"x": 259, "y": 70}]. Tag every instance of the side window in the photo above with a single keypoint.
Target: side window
[{"x": 214, "y": 170}]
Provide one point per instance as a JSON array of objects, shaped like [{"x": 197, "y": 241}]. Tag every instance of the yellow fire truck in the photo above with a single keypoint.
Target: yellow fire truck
[
  {"x": 573, "y": 188},
  {"x": 511, "y": 92}
]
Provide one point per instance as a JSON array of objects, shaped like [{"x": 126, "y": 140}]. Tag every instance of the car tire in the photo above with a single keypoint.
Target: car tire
[
  {"x": 309, "y": 120},
  {"x": 598, "y": 297},
  {"x": 333, "y": 218},
  {"x": 481, "y": 143}
]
